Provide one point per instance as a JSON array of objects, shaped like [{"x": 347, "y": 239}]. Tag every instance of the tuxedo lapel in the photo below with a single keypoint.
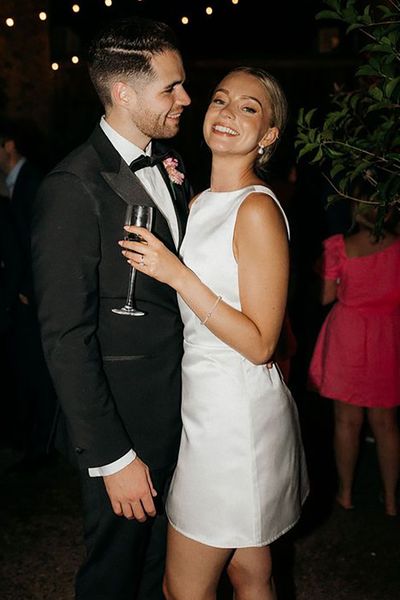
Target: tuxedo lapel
[
  {"x": 127, "y": 186},
  {"x": 116, "y": 172}
]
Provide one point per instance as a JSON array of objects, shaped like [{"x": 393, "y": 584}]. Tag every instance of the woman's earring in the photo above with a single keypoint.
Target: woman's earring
[{"x": 260, "y": 149}]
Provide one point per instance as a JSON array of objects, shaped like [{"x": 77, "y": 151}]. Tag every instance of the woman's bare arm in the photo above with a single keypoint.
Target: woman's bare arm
[{"x": 261, "y": 250}]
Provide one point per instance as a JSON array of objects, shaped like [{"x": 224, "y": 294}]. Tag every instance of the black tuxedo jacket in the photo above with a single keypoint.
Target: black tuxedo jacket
[{"x": 117, "y": 377}]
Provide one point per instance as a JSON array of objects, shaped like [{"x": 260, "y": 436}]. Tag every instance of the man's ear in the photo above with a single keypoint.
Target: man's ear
[
  {"x": 270, "y": 137},
  {"x": 122, "y": 94}
]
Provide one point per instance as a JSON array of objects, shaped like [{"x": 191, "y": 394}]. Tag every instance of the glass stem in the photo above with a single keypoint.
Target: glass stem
[{"x": 131, "y": 285}]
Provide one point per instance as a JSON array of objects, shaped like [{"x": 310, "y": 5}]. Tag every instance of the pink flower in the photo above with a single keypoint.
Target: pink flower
[{"x": 170, "y": 165}]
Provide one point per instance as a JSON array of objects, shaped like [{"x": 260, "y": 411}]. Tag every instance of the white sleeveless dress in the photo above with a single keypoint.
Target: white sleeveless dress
[{"x": 241, "y": 478}]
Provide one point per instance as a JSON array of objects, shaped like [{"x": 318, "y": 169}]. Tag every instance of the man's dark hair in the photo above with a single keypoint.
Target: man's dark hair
[{"x": 125, "y": 47}]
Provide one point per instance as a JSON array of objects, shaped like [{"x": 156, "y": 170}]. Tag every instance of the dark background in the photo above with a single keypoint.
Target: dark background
[{"x": 306, "y": 55}]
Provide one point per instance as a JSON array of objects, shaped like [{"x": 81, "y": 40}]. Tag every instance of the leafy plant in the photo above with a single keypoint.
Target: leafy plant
[{"x": 359, "y": 139}]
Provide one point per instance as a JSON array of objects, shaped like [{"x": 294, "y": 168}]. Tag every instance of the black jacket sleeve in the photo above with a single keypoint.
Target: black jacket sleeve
[{"x": 66, "y": 252}]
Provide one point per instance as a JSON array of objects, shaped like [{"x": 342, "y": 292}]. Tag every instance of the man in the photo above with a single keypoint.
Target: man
[
  {"x": 35, "y": 393},
  {"x": 117, "y": 377}
]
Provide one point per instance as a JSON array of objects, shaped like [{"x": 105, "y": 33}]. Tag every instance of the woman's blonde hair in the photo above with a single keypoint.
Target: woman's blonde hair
[{"x": 278, "y": 105}]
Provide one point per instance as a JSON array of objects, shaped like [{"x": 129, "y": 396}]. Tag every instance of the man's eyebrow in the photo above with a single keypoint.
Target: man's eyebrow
[{"x": 171, "y": 85}]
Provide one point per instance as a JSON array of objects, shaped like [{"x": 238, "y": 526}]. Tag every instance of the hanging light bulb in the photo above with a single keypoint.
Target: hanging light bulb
[
  {"x": 42, "y": 16},
  {"x": 235, "y": 1},
  {"x": 75, "y": 59},
  {"x": 108, "y": 2},
  {"x": 184, "y": 20},
  {"x": 10, "y": 22},
  {"x": 209, "y": 10},
  {"x": 76, "y": 8},
  {"x": 55, "y": 66}
]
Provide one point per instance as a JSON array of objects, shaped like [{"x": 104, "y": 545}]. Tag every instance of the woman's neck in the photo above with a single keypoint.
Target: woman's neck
[{"x": 229, "y": 173}]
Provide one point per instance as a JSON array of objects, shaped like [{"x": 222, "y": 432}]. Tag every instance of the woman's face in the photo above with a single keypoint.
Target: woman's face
[{"x": 237, "y": 119}]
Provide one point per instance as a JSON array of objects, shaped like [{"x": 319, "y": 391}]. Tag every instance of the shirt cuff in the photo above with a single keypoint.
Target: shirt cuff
[{"x": 113, "y": 467}]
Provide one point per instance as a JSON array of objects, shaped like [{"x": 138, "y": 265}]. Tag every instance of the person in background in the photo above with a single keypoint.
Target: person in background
[
  {"x": 356, "y": 360},
  {"x": 10, "y": 271},
  {"x": 35, "y": 393}
]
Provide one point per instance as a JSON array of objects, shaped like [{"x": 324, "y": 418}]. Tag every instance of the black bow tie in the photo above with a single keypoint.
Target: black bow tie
[{"x": 143, "y": 161}]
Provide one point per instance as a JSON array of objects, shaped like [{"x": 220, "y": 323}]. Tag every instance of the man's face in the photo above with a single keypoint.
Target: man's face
[{"x": 160, "y": 101}]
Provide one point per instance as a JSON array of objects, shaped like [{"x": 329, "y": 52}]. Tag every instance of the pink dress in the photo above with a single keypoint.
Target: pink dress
[{"x": 357, "y": 355}]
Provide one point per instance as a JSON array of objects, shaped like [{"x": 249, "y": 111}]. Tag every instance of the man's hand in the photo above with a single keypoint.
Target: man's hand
[{"x": 131, "y": 491}]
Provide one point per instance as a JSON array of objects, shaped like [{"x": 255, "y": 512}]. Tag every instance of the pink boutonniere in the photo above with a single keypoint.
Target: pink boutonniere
[{"x": 174, "y": 174}]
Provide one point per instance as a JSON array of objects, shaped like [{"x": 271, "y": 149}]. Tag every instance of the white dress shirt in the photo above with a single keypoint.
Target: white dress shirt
[
  {"x": 150, "y": 177},
  {"x": 155, "y": 185}
]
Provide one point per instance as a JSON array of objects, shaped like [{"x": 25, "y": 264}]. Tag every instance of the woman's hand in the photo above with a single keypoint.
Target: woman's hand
[{"x": 151, "y": 257}]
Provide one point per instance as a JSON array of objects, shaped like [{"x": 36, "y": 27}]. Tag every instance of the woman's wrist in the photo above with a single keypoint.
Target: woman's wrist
[{"x": 181, "y": 279}]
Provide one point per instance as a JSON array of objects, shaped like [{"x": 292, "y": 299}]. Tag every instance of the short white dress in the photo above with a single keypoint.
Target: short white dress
[{"x": 241, "y": 477}]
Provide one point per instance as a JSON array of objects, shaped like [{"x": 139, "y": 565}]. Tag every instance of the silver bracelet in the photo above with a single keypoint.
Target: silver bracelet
[{"x": 210, "y": 312}]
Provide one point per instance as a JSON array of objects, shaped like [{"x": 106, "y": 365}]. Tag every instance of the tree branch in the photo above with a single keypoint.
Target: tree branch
[{"x": 343, "y": 195}]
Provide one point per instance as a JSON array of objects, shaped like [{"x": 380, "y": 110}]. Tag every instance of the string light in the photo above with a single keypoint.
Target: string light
[
  {"x": 55, "y": 66},
  {"x": 235, "y": 1},
  {"x": 10, "y": 22},
  {"x": 76, "y": 8},
  {"x": 209, "y": 10},
  {"x": 185, "y": 20},
  {"x": 108, "y": 2},
  {"x": 42, "y": 16},
  {"x": 75, "y": 59}
]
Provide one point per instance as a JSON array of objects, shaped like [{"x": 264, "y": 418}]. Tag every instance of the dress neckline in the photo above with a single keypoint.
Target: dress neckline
[
  {"x": 367, "y": 255},
  {"x": 246, "y": 187}
]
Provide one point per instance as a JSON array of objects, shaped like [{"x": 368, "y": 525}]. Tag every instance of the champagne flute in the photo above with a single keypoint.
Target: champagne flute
[{"x": 141, "y": 216}]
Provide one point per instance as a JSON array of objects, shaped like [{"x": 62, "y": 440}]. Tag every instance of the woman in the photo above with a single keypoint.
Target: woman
[
  {"x": 240, "y": 478},
  {"x": 357, "y": 355}
]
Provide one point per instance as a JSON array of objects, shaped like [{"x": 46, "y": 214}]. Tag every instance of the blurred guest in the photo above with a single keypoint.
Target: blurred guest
[
  {"x": 356, "y": 361},
  {"x": 10, "y": 269},
  {"x": 35, "y": 394}
]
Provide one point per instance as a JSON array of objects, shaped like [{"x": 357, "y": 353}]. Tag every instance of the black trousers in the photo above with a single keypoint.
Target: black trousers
[{"x": 125, "y": 558}]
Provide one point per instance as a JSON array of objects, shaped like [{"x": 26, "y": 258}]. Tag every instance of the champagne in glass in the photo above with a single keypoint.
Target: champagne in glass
[{"x": 141, "y": 216}]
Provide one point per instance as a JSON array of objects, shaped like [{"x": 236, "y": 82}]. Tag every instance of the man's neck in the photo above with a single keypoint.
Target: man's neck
[{"x": 128, "y": 130}]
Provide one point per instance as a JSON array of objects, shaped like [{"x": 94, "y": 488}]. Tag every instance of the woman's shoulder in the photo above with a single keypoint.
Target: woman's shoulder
[{"x": 260, "y": 203}]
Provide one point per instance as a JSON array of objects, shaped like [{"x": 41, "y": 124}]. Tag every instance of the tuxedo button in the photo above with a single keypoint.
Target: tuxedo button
[{"x": 79, "y": 450}]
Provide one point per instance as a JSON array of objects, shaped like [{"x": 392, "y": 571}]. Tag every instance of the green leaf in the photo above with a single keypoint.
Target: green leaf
[
  {"x": 353, "y": 26},
  {"x": 327, "y": 14},
  {"x": 337, "y": 168},
  {"x": 365, "y": 70},
  {"x": 332, "y": 198},
  {"x": 376, "y": 93},
  {"x": 318, "y": 156},
  {"x": 393, "y": 156},
  {"x": 386, "y": 11},
  {"x": 377, "y": 106},
  {"x": 309, "y": 116},
  {"x": 391, "y": 86},
  {"x": 333, "y": 4},
  {"x": 307, "y": 148}
]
